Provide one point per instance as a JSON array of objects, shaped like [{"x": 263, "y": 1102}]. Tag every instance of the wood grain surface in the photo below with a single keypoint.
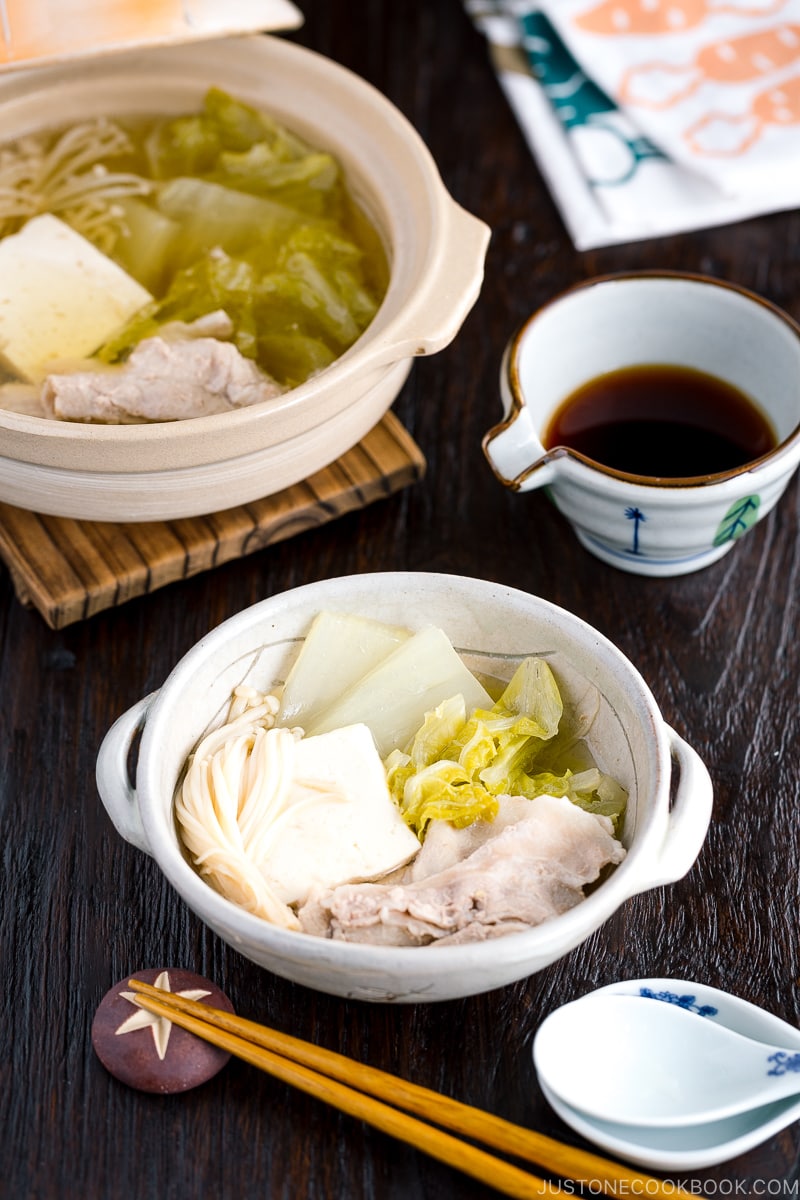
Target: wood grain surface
[
  {"x": 70, "y": 570},
  {"x": 80, "y": 908}
]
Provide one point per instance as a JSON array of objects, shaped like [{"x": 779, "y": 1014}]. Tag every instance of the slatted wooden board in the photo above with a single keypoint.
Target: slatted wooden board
[{"x": 70, "y": 570}]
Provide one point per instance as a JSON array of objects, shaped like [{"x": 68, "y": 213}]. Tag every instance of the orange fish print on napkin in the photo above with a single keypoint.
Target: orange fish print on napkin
[
  {"x": 659, "y": 85},
  {"x": 614, "y": 17},
  {"x": 726, "y": 135}
]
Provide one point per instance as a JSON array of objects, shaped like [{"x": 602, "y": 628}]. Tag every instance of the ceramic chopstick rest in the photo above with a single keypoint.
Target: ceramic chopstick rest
[{"x": 148, "y": 1052}]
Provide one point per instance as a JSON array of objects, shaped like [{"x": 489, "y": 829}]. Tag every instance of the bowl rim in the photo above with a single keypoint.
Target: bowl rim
[{"x": 240, "y": 927}]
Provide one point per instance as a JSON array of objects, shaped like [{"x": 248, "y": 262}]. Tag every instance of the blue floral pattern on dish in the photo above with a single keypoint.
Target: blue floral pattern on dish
[
  {"x": 687, "y": 1002},
  {"x": 784, "y": 1063}
]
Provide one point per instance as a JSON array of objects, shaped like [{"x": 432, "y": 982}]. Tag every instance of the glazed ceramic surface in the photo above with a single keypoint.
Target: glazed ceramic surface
[
  {"x": 494, "y": 627},
  {"x": 665, "y": 1069},
  {"x": 436, "y": 252},
  {"x": 646, "y": 526},
  {"x": 704, "y": 1145}
]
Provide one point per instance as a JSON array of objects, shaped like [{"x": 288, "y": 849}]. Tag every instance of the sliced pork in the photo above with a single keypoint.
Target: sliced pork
[
  {"x": 165, "y": 379},
  {"x": 490, "y": 879}
]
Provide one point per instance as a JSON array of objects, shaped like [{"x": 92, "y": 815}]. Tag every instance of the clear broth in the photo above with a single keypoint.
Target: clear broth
[{"x": 293, "y": 321}]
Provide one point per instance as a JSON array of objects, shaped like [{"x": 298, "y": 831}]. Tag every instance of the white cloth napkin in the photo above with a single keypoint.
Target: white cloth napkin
[{"x": 648, "y": 117}]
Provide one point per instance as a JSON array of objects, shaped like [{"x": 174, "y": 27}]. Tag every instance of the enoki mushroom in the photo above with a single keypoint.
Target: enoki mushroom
[
  {"x": 68, "y": 175},
  {"x": 233, "y": 801}
]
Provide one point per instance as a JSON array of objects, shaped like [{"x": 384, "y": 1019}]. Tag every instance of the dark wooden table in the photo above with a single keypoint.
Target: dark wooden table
[{"x": 80, "y": 908}]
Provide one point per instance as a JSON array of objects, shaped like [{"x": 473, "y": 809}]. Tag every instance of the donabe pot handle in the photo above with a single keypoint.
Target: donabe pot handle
[
  {"x": 454, "y": 283},
  {"x": 113, "y": 779},
  {"x": 438, "y": 307},
  {"x": 689, "y": 816}
]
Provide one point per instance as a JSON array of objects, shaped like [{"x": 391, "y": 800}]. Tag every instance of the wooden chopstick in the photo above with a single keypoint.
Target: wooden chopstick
[
  {"x": 467, "y": 1158},
  {"x": 361, "y": 1091}
]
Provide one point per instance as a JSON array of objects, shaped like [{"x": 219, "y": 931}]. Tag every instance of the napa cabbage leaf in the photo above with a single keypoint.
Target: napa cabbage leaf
[
  {"x": 458, "y": 764},
  {"x": 235, "y": 197}
]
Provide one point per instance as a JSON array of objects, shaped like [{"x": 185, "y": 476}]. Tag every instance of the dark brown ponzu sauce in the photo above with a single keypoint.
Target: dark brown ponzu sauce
[{"x": 662, "y": 421}]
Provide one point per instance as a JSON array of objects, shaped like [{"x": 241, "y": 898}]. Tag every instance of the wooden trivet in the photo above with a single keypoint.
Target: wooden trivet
[{"x": 70, "y": 570}]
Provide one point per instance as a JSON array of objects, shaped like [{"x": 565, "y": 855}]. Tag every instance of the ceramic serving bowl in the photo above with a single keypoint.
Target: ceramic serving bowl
[
  {"x": 649, "y": 526},
  {"x": 493, "y": 627},
  {"x": 436, "y": 252}
]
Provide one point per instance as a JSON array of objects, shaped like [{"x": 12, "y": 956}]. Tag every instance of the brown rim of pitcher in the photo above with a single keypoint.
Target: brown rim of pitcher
[{"x": 511, "y": 356}]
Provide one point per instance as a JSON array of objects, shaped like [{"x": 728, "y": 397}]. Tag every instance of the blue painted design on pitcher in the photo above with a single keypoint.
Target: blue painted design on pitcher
[{"x": 637, "y": 516}]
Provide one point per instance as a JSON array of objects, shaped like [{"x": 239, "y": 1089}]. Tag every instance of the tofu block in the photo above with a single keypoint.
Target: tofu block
[
  {"x": 60, "y": 297},
  {"x": 340, "y": 823}
]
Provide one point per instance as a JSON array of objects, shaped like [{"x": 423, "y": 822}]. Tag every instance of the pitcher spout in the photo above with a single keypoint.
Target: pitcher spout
[{"x": 517, "y": 456}]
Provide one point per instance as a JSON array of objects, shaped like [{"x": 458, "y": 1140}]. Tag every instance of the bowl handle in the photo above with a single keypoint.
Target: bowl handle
[
  {"x": 689, "y": 816},
  {"x": 113, "y": 780}
]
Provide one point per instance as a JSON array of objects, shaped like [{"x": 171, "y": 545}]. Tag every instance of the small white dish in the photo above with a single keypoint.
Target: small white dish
[
  {"x": 665, "y": 1068},
  {"x": 703, "y": 1145}
]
